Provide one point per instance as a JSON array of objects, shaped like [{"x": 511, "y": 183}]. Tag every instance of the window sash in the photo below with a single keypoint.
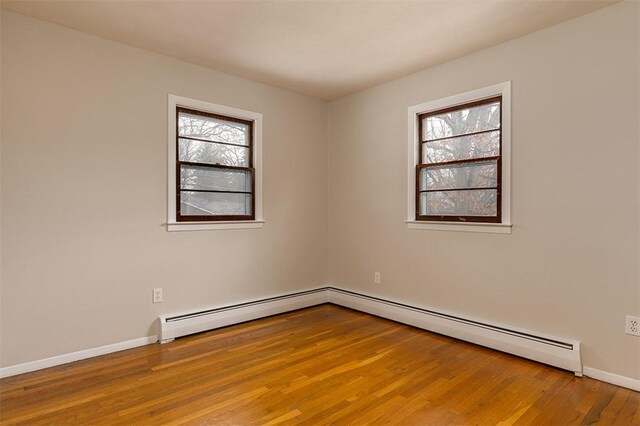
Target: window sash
[
  {"x": 250, "y": 169},
  {"x": 422, "y": 141}
]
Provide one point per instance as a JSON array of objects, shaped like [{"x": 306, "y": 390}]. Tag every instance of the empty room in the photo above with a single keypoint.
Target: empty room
[{"x": 236, "y": 212}]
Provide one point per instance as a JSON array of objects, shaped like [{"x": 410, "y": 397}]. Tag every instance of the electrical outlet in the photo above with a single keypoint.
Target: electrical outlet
[
  {"x": 376, "y": 277},
  {"x": 633, "y": 326},
  {"x": 157, "y": 295}
]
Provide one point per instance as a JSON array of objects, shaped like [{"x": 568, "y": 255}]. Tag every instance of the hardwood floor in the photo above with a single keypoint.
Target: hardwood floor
[{"x": 323, "y": 365}]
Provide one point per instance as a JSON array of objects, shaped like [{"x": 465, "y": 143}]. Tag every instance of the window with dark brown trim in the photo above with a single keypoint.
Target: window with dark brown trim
[
  {"x": 458, "y": 174},
  {"x": 215, "y": 175}
]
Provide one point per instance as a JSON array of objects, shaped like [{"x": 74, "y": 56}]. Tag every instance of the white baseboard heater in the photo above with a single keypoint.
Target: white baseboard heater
[
  {"x": 186, "y": 323},
  {"x": 562, "y": 353}
]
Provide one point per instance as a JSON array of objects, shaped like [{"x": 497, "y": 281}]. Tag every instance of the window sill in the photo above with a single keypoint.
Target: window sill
[
  {"x": 207, "y": 226},
  {"x": 491, "y": 228}
]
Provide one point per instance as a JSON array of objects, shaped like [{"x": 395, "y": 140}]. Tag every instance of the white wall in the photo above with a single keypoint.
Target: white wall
[
  {"x": 84, "y": 193},
  {"x": 570, "y": 267}
]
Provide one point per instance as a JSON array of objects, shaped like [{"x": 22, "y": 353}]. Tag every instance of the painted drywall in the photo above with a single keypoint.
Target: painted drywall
[
  {"x": 570, "y": 267},
  {"x": 0, "y": 181},
  {"x": 84, "y": 193}
]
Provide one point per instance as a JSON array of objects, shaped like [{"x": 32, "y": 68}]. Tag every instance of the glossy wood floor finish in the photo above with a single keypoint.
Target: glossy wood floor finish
[{"x": 323, "y": 365}]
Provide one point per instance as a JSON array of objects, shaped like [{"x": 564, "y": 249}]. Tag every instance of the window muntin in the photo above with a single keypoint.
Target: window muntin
[
  {"x": 458, "y": 175},
  {"x": 215, "y": 175}
]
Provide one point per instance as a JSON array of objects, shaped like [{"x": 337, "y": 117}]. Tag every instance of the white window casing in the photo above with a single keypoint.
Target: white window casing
[
  {"x": 504, "y": 227},
  {"x": 180, "y": 101}
]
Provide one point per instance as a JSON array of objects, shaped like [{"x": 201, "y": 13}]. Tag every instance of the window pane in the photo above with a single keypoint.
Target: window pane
[
  {"x": 212, "y": 129},
  {"x": 462, "y": 121},
  {"x": 213, "y": 153},
  {"x": 214, "y": 203},
  {"x": 475, "y": 175},
  {"x": 462, "y": 148},
  {"x": 459, "y": 203},
  {"x": 212, "y": 179}
]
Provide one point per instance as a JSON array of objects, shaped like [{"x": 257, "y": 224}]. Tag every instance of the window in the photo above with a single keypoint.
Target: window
[
  {"x": 214, "y": 167},
  {"x": 458, "y": 172},
  {"x": 214, "y": 173},
  {"x": 458, "y": 166}
]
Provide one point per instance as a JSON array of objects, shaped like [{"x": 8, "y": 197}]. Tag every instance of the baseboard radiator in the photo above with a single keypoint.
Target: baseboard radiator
[
  {"x": 554, "y": 351},
  {"x": 562, "y": 353},
  {"x": 177, "y": 325}
]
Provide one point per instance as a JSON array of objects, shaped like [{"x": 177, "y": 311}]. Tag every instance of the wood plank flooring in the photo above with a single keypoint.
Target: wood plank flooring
[{"x": 322, "y": 365}]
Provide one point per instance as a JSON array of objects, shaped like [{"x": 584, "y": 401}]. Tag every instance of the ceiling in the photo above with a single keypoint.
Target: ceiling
[{"x": 326, "y": 49}]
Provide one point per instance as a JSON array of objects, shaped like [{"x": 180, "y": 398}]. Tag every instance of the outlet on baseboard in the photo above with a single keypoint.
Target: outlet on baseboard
[
  {"x": 157, "y": 295},
  {"x": 376, "y": 277},
  {"x": 632, "y": 326}
]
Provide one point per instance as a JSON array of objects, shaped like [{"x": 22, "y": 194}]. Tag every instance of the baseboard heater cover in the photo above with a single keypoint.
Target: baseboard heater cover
[
  {"x": 177, "y": 325},
  {"x": 549, "y": 350}
]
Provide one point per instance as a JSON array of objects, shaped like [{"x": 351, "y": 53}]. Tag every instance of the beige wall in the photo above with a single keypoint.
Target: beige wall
[
  {"x": 0, "y": 181},
  {"x": 570, "y": 267},
  {"x": 84, "y": 194}
]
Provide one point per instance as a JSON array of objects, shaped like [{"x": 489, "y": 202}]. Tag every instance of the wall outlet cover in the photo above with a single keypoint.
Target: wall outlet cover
[{"x": 632, "y": 326}]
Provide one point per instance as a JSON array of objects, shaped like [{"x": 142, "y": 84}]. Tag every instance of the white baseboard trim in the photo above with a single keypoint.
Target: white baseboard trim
[
  {"x": 614, "y": 379},
  {"x": 74, "y": 356},
  {"x": 527, "y": 346}
]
